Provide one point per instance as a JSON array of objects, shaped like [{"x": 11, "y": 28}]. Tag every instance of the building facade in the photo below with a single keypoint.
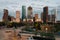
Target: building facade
[
  {"x": 42, "y": 16},
  {"x": 13, "y": 19},
  {"x": 23, "y": 12},
  {"x": 5, "y": 15},
  {"x": 36, "y": 16},
  {"x": 45, "y": 14},
  {"x": 53, "y": 18},
  {"x": 17, "y": 16},
  {"x": 54, "y": 15},
  {"x": 30, "y": 14},
  {"x": 9, "y": 18},
  {"x": 49, "y": 18}
]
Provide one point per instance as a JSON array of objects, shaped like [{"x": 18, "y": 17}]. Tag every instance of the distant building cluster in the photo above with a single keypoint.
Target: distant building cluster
[
  {"x": 45, "y": 17},
  {"x": 7, "y": 17}
]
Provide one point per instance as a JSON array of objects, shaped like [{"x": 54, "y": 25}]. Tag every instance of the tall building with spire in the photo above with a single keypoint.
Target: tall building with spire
[
  {"x": 5, "y": 15},
  {"x": 17, "y": 16},
  {"x": 23, "y": 12}
]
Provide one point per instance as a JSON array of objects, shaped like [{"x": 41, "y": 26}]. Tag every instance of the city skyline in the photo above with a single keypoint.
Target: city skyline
[{"x": 37, "y": 6}]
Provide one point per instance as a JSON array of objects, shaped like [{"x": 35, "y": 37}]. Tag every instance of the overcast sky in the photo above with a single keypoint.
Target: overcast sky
[{"x": 37, "y": 5}]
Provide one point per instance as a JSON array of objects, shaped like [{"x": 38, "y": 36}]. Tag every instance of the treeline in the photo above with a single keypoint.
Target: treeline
[{"x": 34, "y": 24}]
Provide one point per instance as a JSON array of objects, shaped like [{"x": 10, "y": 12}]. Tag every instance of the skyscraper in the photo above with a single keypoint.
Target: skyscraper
[
  {"x": 30, "y": 14},
  {"x": 17, "y": 16},
  {"x": 54, "y": 14},
  {"x": 5, "y": 15},
  {"x": 23, "y": 12},
  {"x": 45, "y": 14}
]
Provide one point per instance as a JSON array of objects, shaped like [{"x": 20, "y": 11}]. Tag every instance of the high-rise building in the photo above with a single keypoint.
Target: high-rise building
[
  {"x": 49, "y": 18},
  {"x": 42, "y": 16},
  {"x": 54, "y": 14},
  {"x": 30, "y": 14},
  {"x": 23, "y": 12},
  {"x": 5, "y": 15},
  {"x": 36, "y": 16},
  {"x": 17, "y": 16},
  {"x": 53, "y": 18},
  {"x": 45, "y": 14}
]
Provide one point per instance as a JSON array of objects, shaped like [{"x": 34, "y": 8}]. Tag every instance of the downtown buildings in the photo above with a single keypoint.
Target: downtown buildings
[
  {"x": 28, "y": 15},
  {"x": 7, "y": 17},
  {"x": 46, "y": 17}
]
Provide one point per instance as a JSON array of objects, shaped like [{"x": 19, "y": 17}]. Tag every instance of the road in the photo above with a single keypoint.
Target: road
[
  {"x": 57, "y": 37},
  {"x": 8, "y": 34}
]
